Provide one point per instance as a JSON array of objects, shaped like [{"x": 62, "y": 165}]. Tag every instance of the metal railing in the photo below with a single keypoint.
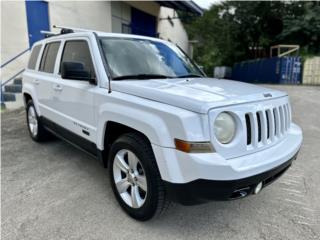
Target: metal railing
[
  {"x": 14, "y": 58},
  {"x": 10, "y": 61},
  {"x": 13, "y": 77},
  {"x": 3, "y": 83}
]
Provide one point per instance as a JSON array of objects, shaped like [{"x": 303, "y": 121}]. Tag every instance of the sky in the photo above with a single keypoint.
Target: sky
[{"x": 205, "y": 3}]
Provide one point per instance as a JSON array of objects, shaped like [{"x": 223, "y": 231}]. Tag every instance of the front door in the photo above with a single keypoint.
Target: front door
[
  {"x": 74, "y": 98},
  {"x": 37, "y": 19}
]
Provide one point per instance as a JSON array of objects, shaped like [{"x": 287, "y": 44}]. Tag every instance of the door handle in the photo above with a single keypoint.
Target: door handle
[
  {"x": 57, "y": 87},
  {"x": 36, "y": 81}
]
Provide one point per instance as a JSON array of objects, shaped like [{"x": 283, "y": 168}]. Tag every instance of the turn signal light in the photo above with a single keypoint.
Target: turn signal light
[{"x": 193, "y": 147}]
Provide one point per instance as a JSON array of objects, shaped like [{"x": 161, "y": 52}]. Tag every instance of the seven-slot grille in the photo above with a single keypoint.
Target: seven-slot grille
[{"x": 267, "y": 125}]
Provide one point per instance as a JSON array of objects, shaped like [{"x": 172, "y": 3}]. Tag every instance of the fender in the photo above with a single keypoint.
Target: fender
[
  {"x": 161, "y": 124},
  {"x": 154, "y": 123},
  {"x": 145, "y": 122},
  {"x": 29, "y": 89}
]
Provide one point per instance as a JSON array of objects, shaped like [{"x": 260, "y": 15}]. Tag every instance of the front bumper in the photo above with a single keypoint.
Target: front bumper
[
  {"x": 179, "y": 168},
  {"x": 201, "y": 190}
]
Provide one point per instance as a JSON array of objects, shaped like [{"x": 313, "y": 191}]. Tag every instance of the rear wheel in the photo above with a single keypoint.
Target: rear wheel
[
  {"x": 135, "y": 178},
  {"x": 36, "y": 130}
]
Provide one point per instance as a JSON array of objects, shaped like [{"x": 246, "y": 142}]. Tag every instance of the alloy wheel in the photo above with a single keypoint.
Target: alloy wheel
[{"x": 129, "y": 178}]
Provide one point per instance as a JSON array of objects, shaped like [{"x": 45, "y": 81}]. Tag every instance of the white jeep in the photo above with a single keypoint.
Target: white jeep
[{"x": 148, "y": 113}]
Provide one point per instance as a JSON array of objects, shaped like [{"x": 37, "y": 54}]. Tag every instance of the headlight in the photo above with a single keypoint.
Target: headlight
[{"x": 224, "y": 127}]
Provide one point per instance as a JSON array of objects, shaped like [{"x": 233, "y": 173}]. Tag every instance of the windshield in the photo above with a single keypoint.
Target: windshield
[{"x": 136, "y": 58}]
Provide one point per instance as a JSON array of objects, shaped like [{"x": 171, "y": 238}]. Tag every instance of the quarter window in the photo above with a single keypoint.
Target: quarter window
[
  {"x": 33, "y": 57},
  {"x": 49, "y": 57},
  {"x": 78, "y": 51}
]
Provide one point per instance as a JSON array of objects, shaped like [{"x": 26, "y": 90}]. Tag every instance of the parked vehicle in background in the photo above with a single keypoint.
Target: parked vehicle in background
[{"x": 164, "y": 130}]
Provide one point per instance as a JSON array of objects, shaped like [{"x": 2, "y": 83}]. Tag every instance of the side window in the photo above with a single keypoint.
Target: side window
[
  {"x": 33, "y": 57},
  {"x": 78, "y": 51},
  {"x": 49, "y": 56}
]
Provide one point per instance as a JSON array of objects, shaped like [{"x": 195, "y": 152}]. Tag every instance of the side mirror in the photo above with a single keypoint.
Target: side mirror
[{"x": 76, "y": 71}]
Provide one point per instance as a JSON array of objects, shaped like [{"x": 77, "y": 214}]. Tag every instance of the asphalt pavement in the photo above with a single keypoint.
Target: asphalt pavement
[{"x": 54, "y": 191}]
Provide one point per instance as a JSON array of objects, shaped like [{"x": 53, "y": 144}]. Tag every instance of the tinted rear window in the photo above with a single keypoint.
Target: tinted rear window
[
  {"x": 49, "y": 56},
  {"x": 33, "y": 57}
]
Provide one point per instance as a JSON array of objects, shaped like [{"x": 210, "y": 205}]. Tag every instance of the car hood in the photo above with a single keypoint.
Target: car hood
[{"x": 196, "y": 94}]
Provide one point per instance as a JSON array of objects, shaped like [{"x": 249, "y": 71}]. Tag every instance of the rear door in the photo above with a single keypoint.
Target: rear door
[
  {"x": 74, "y": 98},
  {"x": 46, "y": 79},
  {"x": 30, "y": 76}
]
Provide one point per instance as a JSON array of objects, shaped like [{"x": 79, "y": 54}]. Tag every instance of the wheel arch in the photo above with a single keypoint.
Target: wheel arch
[
  {"x": 158, "y": 123},
  {"x": 151, "y": 126},
  {"x": 111, "y": 125},
  {"x": 30, "y": 94},
  {"x": 26, "y": 98},
  {"x": 113, "y": 130}
]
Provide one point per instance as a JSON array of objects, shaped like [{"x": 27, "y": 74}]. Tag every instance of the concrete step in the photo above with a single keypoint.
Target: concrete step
[
  {"x": 18, "y": 103},
  {"x": 13, "y": 88},
  {"x": 8, "y": 97},
  {"x": 17, "y": 81}
]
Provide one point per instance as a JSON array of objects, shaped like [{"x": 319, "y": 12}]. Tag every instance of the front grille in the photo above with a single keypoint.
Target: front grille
[{"x": 265, "y": 126}]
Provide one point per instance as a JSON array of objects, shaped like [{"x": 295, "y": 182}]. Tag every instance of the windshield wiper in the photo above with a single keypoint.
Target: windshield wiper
[
  {"x": 190, "y": 75},
  {"x": 141, "y": 76}
]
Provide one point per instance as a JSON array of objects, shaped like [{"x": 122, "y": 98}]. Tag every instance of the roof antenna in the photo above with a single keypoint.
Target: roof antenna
[{"x": 109, "y": 86}]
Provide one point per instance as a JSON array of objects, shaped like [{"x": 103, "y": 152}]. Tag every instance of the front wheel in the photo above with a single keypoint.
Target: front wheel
[{"x": 135, "y": 178}]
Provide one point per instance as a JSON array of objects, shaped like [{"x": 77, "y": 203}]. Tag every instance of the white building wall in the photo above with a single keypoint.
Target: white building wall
[
  {"x": 175, "y": 32},
  {"x": 82, "y": 14},
  {"x": 14, "y": 36},
  {"x": 121, "y": 14},
  {"x": 149, "y": 7},
  {"x": 14, "y": 31}
]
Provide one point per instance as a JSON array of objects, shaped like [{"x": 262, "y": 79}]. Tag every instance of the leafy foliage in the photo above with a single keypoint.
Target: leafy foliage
[{"x": 232, "y": 31}]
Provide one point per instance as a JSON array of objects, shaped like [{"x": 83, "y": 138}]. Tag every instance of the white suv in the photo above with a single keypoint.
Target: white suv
[{"x": 147, "y": 112}]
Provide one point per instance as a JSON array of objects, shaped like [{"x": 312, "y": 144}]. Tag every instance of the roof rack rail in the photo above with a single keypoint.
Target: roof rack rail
[
  {"x": 65, "y": 29},
  {"x": 48, "y": 33}
]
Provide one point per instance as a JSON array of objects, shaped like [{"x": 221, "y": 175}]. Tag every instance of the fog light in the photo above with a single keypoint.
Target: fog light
[{"x": 258, "y": 188}]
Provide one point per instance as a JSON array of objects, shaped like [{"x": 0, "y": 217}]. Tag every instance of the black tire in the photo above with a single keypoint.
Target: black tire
[
  {"x": 156, "y": 199},
  {"x": 42, "y": 134}
]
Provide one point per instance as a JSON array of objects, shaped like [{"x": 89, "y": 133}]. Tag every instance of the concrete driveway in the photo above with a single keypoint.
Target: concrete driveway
[{"x": 54, "y": 191}]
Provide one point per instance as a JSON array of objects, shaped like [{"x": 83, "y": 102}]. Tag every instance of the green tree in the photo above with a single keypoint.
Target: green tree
[
  {"x": 232, "y": 31},
  {"x": 302, "y": 26}
]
